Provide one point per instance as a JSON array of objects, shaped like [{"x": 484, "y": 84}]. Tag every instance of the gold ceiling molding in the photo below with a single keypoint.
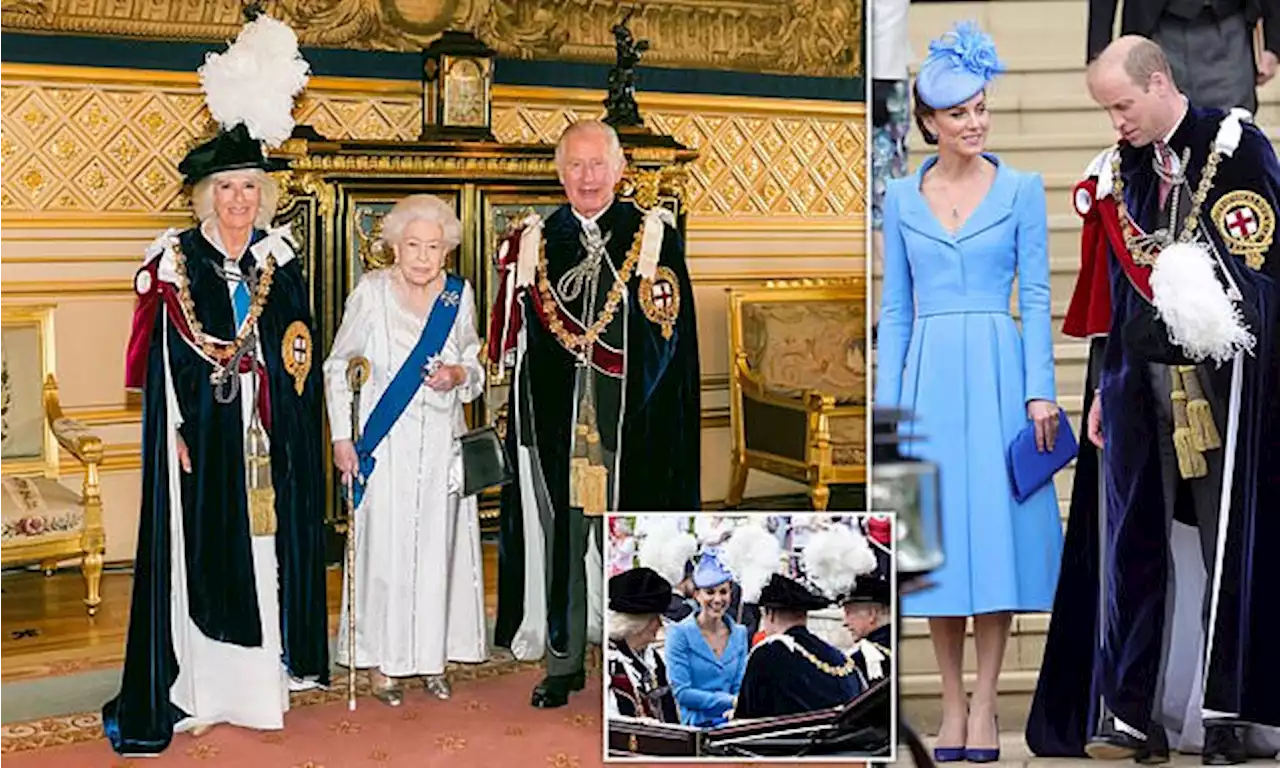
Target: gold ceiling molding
[
  {"x": 79, "y": 146},
  {"x": 794, "y": 37}
]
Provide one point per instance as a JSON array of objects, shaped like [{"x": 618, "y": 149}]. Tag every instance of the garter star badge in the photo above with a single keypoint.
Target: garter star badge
[
  {"x": 143, "y": 282},
  {"x": 660, "y": 299},
  {"x": 1247, "y": 225},
  {"x": 1082, "y": 198},
  {"x": 296, "y": 351}
]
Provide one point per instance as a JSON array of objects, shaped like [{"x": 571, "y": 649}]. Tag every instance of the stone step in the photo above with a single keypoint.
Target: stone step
[
  {"x": 1013, "y": 746},
  {"x": 920, "y": 699}
]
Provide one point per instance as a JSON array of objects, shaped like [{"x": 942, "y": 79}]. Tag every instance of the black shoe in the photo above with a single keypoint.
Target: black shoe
[
  {"x": 553, "y": 691},
  {"x": 1110, "y": 743},
  {"x": 1156, "y": 749},
  {"x": 1224, "y": 745}
]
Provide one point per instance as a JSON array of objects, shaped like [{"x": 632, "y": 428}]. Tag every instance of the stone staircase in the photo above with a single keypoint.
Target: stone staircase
[{"x": 1043, "y": 120}]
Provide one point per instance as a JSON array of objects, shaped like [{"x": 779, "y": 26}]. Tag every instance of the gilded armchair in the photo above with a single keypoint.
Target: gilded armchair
[
  {"x": 798, "y": 384},
  {"x": 44, "y": 521}
]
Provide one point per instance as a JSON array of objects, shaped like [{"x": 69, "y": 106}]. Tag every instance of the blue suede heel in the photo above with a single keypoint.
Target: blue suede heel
[
  {"x": 949, "y": 754},
  {"x": 984, "y": 754}
]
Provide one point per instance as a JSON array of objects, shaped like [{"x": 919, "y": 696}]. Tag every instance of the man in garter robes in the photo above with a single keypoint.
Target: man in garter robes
[
  {"x": 228, "y": 610},
  {"x": 595, "y": 315},
  {"x": 792, "y": 670},
  {"x": 1166, "y": 603}
]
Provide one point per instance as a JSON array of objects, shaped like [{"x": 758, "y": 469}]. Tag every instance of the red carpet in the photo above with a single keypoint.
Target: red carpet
[{"x": 488, "y": 722}]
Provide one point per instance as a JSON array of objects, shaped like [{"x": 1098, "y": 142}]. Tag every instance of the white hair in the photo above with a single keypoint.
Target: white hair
[
  {"x": 616, "y": 154},
  {"x": 624, "y": 625},
  {"x": 202, "y": 195},
  {"x": 428, "y": 208}
]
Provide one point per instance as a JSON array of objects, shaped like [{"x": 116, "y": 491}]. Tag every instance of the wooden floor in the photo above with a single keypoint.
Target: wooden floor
[{"x": 48, "y": 632}]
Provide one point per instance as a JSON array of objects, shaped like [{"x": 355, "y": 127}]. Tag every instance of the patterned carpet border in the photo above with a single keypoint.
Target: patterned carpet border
[{"x": 65, "y": 730}]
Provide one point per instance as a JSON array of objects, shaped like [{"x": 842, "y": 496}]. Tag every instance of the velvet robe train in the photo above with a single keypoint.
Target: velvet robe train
[
  {"x": 1242, "y": 672},
  {"x": 221, "y": 585},
  {"x": 661, "y": 433}
]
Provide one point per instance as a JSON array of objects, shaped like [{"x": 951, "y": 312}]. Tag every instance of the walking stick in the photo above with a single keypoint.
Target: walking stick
[{"x": 357, "y": 375}]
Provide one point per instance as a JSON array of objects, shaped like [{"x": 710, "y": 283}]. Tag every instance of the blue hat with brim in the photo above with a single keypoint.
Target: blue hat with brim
[
  {"x": 710, "y": 572},
  {"x": 960, "y": 65}
]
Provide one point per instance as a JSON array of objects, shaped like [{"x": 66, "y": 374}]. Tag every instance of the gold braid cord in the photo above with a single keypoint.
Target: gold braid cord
[
  {"x": 580, "y": 343},
  {"x": 1194, "y": 431},
  {"x": 214, "y": 348},
  {"x": 1145, "y": 254},
  {"x": 261, "y": 491}
]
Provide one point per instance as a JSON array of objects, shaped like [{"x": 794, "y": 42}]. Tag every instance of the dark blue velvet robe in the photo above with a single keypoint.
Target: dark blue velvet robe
[
  {"x": 779, "y": 681},
  {"x": 220, "y": 584},
  {"x": 1243, "y": 673},
  {"x": 662, "y": 427}
]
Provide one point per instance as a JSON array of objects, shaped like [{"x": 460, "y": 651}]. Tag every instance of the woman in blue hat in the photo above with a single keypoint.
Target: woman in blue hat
[
  {"x": 706, "y": 653},
  {"x": 956, "y": 234}
]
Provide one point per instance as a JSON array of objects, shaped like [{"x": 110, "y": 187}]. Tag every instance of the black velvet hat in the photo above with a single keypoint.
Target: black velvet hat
[
  {"x": 872, "y": 587},
  {"x": 869, "y": 589},
  {"x": 639, "y": 591},
  {"x": 789, "y": 594},
  {"x": 230, "y": 150}
]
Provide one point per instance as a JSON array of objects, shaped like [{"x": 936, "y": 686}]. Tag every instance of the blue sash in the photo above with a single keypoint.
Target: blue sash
[{"x": 407, "y": 380}]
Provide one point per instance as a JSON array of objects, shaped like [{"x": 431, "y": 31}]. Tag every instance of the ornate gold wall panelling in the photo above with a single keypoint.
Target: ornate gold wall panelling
[
  {"x": 800, "y": 37},
  {"x": 106, "y": 143}
]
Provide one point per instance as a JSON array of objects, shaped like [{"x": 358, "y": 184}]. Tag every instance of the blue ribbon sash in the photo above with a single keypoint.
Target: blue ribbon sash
[{"x": 407, "y": 380}]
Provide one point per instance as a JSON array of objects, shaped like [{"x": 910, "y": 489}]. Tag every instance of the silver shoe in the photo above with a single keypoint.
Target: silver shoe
[
  {"x": 438, "y": 686},
  {"x": 386, "y": 690}
]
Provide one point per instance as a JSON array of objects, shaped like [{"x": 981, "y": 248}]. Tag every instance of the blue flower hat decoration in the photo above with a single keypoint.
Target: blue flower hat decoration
[{"x": 960, "y": 65}]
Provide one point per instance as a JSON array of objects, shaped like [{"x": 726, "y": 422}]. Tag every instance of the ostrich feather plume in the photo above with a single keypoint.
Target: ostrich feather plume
[
  {"x": 752, "y": 555},
  {"x": 834, "y": 558},
  {"x": 666, "y": 550},
  {"x": 256, "y": 79}
]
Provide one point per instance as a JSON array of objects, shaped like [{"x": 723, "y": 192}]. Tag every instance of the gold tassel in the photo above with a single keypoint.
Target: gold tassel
[
  {"x": 262, "y": 493},
  {"x": 1199, "y": 415},
  {"x": 577, "y": 480},
  {"x": 578, "y": 465},
  {"x": 1191, "y": 461},
  {"x": 262, "y": 511},
  {"x": 596, "y": 499}
]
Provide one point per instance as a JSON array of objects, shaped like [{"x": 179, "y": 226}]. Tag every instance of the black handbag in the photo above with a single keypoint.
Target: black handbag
[{"x": 484, "y": 461}]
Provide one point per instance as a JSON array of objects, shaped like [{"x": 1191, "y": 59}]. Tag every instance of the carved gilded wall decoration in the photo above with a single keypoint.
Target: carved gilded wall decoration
[
  {"x": 74, "y": 146},
  {"x": 803, "y": 37}
]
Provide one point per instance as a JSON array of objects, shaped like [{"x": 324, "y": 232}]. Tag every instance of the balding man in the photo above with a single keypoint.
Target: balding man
[
  {"x": 1180, "y": 283},
  {"x": 1208, "y": 42},
  {"x": 595, "y": 315}
]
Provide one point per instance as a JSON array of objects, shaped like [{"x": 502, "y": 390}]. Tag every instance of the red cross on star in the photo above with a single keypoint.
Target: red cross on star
[{"x": 1242, "y": 222}]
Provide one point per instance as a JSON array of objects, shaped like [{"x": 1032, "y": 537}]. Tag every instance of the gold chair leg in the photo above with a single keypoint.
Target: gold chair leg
[
  {"x": 737, "y": 483},
  {"x": 91, "y": 567},
  {"x": 820, "y": 494},
  {"x": 49, "y": 567}
]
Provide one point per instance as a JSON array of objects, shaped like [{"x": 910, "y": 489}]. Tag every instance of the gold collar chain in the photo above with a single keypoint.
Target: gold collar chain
[
  {"x": 581, "y": 343},
  {"x": 1144, "y": 251},
  {"x": 844, "y": 670},
  {"x": 214, "y": 348}
]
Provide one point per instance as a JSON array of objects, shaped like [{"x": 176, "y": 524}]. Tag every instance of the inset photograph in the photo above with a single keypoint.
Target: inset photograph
[{"x": 749, "y": 635}]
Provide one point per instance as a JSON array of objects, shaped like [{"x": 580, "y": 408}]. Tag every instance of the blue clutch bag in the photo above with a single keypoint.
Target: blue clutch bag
[{"x": 1029, "y": 469}]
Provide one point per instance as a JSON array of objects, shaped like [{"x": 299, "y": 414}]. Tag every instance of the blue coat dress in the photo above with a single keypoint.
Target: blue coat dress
[
  {"x": 950, "y": 351},
  {"x": 705, "y": 684}
]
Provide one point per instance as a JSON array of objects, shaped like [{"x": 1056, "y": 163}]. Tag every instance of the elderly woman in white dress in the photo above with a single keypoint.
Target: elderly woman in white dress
[{"x": 419, "y": 585}]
